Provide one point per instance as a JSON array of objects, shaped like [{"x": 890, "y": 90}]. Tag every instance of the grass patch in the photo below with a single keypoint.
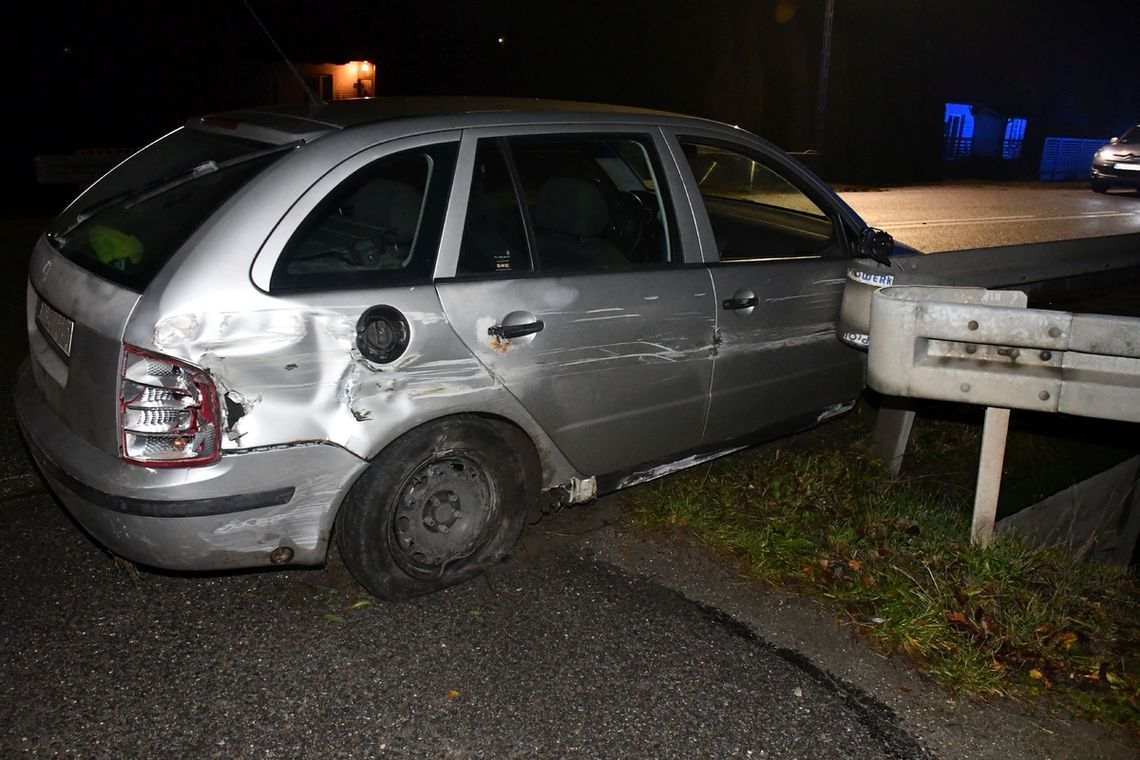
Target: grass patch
[{"x": 893, "y": 556}]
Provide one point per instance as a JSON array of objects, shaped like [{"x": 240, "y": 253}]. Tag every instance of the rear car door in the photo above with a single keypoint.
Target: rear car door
[
  {"x": 782, "y": 251},
  {"x": 571, "y": 286}
]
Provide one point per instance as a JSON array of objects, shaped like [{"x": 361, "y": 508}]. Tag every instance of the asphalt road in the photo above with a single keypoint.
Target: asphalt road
[
  {"x": 956, "y": 216},
  {"x": 554, "y": 655},
  {"x": 590, "y": 643}
]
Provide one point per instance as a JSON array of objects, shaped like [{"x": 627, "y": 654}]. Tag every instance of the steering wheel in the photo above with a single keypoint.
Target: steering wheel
[{"x": 628, "y": 217}]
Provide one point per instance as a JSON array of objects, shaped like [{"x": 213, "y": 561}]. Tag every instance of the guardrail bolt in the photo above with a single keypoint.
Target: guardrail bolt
[
  {"x": 965, "y": 387},
  {"x": 1043, "y": 395},
  {"x": 1054, "y": 332},
  {"x": 973, "y": 324},
  {"x": 971, "y": 349},
  {"x": 1046, "y": 356}
]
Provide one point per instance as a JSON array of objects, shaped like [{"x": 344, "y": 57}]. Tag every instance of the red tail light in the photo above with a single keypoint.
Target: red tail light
[{"x": 168, "y": 411}]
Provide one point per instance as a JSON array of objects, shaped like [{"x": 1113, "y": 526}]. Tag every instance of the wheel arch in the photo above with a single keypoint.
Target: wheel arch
[
  {"x": 481, "y": 471},
  {"x": 550, "y": 467}
]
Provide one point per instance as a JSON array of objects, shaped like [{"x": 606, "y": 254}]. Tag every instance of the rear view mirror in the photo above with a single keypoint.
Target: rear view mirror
[{"x": 876, "y": 244}]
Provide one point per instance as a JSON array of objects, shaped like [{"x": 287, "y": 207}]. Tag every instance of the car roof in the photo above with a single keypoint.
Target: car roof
[{"x": 291, "y": 122}]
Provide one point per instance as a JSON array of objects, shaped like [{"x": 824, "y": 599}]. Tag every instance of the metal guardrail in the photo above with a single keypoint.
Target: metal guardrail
[
  {"x": 1042, "y": 270},
  {"x": 985, "y": 347}
]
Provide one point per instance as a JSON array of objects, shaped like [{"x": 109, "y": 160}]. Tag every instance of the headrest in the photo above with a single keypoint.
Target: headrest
[
  {"x": 571, "y": 206},
  {"x": 389, "y": 204}
]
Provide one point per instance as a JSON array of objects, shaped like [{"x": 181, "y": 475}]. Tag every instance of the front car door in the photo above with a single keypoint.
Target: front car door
[
  {"x": 782, "y": 250},
  {"x": 570, "y": 286}
]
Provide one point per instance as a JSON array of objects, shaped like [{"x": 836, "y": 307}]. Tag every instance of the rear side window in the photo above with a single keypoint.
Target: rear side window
[
  {"x": 379, "y": 227},
  {"x": 594, "y": 202},
  {"x": 566, "y": 204},
  {"x": 130, "y": 224},
  {"x": 494, "y": 235}
]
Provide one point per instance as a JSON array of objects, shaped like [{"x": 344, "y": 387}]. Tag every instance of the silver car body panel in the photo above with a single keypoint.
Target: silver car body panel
[
  {"x": 81, "y": 388},
  {"x": 778, "y": 361},
  {"x": 176, "y": 534},
  {"x": 620, "y": 373}
]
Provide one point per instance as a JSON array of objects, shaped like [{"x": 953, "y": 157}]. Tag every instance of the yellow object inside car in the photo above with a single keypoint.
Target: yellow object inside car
[{"x": 113, "y": 247}]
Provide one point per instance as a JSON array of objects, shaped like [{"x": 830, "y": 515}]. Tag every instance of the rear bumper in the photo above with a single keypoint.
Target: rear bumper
[{"x": 229, "y": 514}]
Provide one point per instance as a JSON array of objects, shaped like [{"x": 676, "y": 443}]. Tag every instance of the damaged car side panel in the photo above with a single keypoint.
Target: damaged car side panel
[
  {"x": 408, "y": 318},
  {"x": 612, "y": 385}
]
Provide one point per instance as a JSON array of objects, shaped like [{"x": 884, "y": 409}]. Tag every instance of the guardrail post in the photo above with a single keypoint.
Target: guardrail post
[
  {"x": 994, "y": 432},
  {"x": 893, "y": 424}
]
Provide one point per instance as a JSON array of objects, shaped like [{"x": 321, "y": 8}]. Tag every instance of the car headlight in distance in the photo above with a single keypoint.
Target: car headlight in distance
[{"x": 168, "y": 411}]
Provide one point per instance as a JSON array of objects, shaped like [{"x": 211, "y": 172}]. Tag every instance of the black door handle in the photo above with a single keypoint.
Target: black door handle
[
  {"x": 741, "y": 303},
  {"x": 506, "y": 332}
]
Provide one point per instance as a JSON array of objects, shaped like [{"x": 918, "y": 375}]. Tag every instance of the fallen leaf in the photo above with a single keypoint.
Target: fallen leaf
[
  {"x": 957, "y": 617},
  {"x": 333, "y": 618},
  {"x": 868, "y": 580},
  {"x": 824, "y": 563},
  {"x": 453, "y": 694},
  {"x": 474, "y": 613},
  {"x": 855, "y": 564},
  {"x": 1035, "y": 674},
  {"x": 1068, "y": 639},
  {"x": 359, "y": 604},
  {"x": 1114, "y": 679}
]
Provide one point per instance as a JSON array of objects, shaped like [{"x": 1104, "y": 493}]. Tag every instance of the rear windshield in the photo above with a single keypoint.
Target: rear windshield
[{"x": 133, "y": 220}]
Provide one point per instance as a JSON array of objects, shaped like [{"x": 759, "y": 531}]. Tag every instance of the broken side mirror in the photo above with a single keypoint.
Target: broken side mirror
[{"x": 876, "y": 244}]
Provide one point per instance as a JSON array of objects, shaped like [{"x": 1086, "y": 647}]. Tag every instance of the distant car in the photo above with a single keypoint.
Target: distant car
[
  {"x": 1118, "y": 163},
  {"x": 401, "y": 321}
]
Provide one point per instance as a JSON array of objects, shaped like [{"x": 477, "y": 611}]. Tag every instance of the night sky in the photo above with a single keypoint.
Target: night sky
[{"x": 118, "y": 75}]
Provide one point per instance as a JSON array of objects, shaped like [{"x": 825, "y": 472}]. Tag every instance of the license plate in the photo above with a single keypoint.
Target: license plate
[
  {"x": 55, "y": 326},
  {"x": 1127, "y": 167}
]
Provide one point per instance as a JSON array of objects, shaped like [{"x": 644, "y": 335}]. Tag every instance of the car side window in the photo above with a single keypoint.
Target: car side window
[
  {"x": 379, "y": 227},
  {"x": 594, "y": 202},
  {"x": 755, "y": 212},
  {"x": 494, "y": 234}
]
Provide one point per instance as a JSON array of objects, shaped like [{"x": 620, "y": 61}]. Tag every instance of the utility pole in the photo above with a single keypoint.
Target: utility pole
[{"x": 821, "y": 89}]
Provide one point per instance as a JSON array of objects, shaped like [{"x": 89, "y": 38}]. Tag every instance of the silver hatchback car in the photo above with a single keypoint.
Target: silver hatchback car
[{"x": 404, "y": 321}]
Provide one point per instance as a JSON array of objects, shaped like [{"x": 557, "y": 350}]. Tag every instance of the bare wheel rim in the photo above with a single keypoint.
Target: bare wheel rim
[{"x": 444, "y": 512}]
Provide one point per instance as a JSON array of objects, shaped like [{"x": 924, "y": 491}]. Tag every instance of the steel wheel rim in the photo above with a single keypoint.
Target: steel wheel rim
[{"x": 444, "y": 512}]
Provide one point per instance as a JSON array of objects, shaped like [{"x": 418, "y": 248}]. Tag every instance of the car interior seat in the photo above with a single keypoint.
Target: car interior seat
[
  {"x": 570, "y": 216},
  {"x": 390, "y": 210}
]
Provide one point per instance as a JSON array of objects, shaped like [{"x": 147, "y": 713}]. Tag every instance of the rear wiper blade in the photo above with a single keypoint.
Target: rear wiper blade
[{"x": 135, "y": 196}]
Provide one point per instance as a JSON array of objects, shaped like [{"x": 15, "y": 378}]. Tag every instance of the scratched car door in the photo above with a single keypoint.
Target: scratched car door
[
  {"x": 570, "y": 286},
  {"x": 779, "y": 281}
]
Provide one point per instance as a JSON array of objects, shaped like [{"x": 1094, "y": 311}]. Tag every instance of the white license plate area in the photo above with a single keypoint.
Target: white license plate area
[
  {"x": 56, "y": 327},
  {"x": 1127, "y": 167}
]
